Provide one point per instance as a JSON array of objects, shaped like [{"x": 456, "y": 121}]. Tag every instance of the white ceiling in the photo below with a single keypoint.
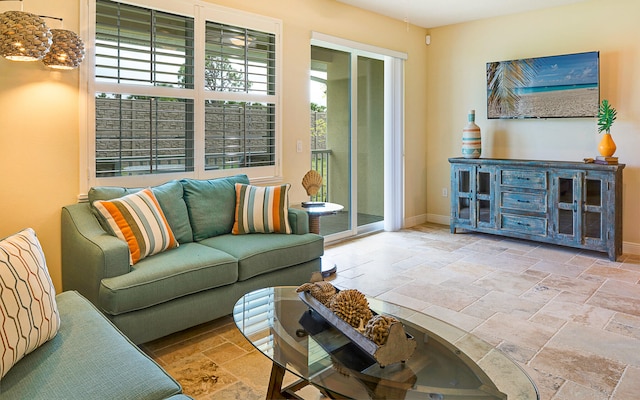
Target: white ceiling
[{"x": 433, "y": 13}]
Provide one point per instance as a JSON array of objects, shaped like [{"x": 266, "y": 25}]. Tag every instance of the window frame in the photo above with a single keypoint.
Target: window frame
[{"x": 201, "y": 12}]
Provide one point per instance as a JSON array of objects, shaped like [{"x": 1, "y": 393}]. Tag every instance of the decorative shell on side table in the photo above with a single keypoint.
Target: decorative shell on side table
[{"x": 312, "y": 182}]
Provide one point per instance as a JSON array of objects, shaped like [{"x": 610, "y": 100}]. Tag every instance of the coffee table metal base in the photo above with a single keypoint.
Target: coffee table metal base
[{"x": 276, "y": 391}]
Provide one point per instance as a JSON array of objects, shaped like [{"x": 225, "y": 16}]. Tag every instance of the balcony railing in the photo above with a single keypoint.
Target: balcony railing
[{"x": 320, "y": 163}]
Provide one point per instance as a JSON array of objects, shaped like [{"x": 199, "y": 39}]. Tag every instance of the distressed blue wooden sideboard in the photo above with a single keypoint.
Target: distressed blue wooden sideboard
[{"x": 565, "y": 203}]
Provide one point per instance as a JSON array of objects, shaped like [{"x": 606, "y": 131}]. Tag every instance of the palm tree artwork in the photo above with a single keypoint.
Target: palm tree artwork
[{"x": 503, "y": 80}]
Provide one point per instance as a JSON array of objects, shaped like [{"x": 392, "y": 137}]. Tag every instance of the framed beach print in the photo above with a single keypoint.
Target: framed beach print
[{"x": 562, "y": 86}]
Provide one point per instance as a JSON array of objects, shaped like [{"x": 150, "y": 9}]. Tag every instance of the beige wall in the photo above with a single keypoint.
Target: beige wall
[
  {"x": 39, "y": 139},
  {"x": 456, "y": 62}
]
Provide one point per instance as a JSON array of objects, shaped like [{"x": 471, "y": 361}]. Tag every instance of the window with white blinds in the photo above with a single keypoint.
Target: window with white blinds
[{"x": 177, "y": 93}]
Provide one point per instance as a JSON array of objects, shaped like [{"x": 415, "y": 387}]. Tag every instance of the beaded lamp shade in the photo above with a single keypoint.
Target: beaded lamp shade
[
  {"x": 66, "y": 51},
  {"x": 23, "y": 36}
]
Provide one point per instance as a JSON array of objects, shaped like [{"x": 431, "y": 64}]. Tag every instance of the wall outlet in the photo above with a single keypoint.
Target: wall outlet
[
  {"x": 445, "y": 192},
  {"x": 299, "y": 146}
]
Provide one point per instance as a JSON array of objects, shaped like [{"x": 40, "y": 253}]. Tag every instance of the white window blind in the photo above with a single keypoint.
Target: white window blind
[{"x": 157, "y": 111}]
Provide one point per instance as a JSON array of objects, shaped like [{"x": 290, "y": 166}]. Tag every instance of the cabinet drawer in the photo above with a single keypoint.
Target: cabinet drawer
[
  {"x": 524, "y": 178},
  {"x": 524, "y": 224},
  {"x": 534, "y": 202}
]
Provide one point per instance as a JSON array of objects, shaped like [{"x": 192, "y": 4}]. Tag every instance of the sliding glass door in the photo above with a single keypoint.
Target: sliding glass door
[{"x": 348, "y": 136}]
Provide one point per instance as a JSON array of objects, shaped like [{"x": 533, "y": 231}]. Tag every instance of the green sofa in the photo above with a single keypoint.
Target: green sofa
[
  {"x": 87, "y": 359},
  {"x": 196, "y": 282}
]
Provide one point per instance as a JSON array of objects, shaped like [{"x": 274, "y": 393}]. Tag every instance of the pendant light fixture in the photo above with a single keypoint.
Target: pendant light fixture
[
  {"x": 23, "y": 36},
  {"x": 66, "y": 51}
]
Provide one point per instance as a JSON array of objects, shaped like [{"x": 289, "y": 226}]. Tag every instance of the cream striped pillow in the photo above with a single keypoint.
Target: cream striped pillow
[
  {"x": 138, "y": 220},
  {"x": 262, "y": 209},
  {"x": 28, "y": 311}
]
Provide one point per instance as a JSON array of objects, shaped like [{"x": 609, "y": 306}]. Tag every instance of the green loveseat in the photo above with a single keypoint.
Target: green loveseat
[
  {"x": 194, "y": 283},
  {"x": 87, "y": 359}
]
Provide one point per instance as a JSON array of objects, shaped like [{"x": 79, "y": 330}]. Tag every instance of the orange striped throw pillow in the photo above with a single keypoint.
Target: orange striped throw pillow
[
  {"x": 261, "y": 209},
  {"x": 138, "y": 220}
]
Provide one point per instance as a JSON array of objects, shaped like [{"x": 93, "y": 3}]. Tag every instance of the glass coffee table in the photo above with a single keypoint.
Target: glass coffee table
[{"x": 448, "y": 363}]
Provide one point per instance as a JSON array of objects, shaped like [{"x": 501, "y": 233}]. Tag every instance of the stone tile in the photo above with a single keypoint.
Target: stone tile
[
  {"x": 559, "y": 268},
  {"x": 508, "y": 282},
  {"x": 199, "y": 376},
  {"x": 540, "y": 293},
  {"x": 374, "y": 284},
  {"x": 556, "y": 254},
  {"x": 435, "y": 294},
  {"x": 478, "y": 311},
  {"x": 614, "y": 273},
  {"x": 393, "y": 296},
  {"x": 453, "y": 284},
  {"x": 618, "y": 296},
  {"x": 463, "y": 321},
  {"x": 233, "y": 335},
  {"x": 625, "y": 324},
  {"x": 589, "y": 370},
  {"x": 467, "y": 272},
  {"x": 548, "y": 320},
  {"x": 573, "y": 391},
  {"x": 598, "y": 342},
  {"x": 629, "y": 387},
  {"x": 516, "y": 331},
  {"x": 189, "y": 347},
  {"x": 621, "y": 288},
  {"x": 187, "y": 334},
  {"x": 582, "y": 261},
  {"x": 547, "y": 384},
  {"x": 487, "y": 247},
  {"x": 582, "y": 286},
  {"x": 580, "y": 313},
  {"x": 508, "y": 304},
  {"x": 225, "y": 352},
  {"x": 237, "y": 390},
  {"x": 253, "y": 369},
  {"x": 430, "y": 274},
  {"x": 505, "y": 262},
  {"x": 518, "y": 353}
]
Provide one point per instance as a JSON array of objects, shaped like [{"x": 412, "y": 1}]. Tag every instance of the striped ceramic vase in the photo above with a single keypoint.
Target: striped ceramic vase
[{"x": 471, "y": 140}]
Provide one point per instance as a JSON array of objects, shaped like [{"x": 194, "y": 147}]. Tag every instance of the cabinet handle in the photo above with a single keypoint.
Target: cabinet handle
[
  {"x": 523, "y": 201},
  {"x": 522, "y": 224},
  {"x": 524, "y": 179}
]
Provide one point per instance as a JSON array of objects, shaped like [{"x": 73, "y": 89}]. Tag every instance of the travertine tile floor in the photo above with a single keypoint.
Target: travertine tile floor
[{"x": 570, "y": 318}]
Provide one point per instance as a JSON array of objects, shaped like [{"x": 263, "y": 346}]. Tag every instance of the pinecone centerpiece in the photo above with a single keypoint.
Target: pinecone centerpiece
[{"x": 352, "y": 307}]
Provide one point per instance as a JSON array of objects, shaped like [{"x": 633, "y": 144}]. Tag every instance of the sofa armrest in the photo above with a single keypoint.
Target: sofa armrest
[
  {"x": 89, "y": 254},
  {"x": 299, "y": 221}
]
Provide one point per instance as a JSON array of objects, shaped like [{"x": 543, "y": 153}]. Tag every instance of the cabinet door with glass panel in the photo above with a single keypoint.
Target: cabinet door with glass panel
[
  {"x": 472, "y": 197},
  {"x": 578, "y": 213}
]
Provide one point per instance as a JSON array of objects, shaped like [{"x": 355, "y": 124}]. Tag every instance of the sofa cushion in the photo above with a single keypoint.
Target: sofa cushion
[
  {"x": 261, "y": 209},
  {"x": 88, "y": 359},
  {"x": 138, "y": 220},
  {"x": 28, "y": 310},
  {"x": 261, "y": 253},
  {"x": 211, "y": 205},
  {"x": 170, "y": 197},
  {"x": 188, "y": 269}
]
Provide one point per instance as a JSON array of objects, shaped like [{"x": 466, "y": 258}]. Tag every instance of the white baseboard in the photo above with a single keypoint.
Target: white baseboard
[
  {"x": 413, "y": 221},
  {"x": 631, "y": 248},
  {"x": 424, "y": 218}
]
